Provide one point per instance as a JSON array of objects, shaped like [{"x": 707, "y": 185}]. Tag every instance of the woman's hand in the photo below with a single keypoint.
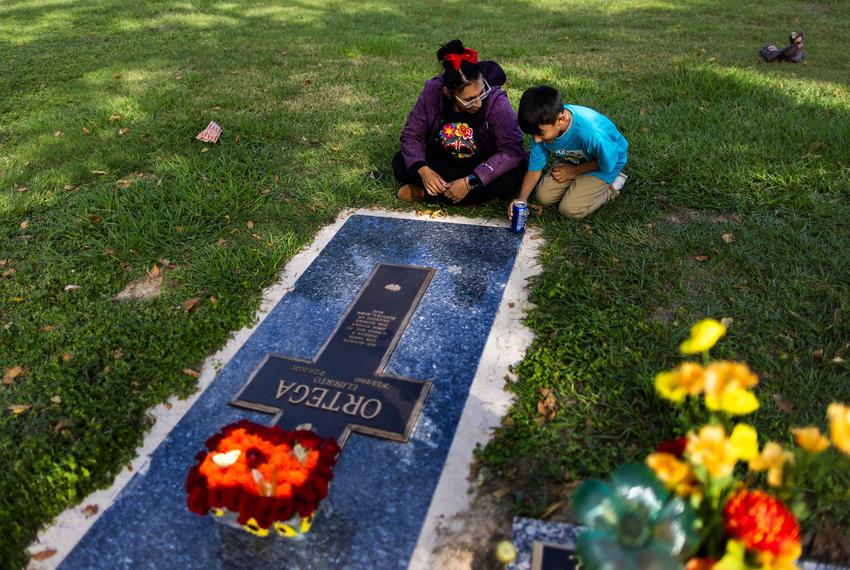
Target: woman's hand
[
  {"x": 433, "y": 182},
  {"x": 457, "y": 190}
]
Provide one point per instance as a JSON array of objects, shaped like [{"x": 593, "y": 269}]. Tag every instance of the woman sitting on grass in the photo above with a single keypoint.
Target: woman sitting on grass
[{"x": 461, "y": 144}]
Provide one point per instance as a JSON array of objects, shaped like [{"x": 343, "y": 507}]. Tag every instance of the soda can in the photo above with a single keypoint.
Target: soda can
[{"x": 520, "y": 215}]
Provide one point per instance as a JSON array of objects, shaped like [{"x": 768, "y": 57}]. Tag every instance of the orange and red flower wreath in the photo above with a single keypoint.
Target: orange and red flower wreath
[{"x": 276, "y": 475}]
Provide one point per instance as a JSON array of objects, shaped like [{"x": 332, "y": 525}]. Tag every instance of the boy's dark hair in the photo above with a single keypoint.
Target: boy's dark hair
[
  {"x": 453, "y": 78},
  {"x": 539, "y": 105}
]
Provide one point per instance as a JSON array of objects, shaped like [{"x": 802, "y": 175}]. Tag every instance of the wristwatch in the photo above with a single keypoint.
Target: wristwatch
[{"x": 474, "y": 181}]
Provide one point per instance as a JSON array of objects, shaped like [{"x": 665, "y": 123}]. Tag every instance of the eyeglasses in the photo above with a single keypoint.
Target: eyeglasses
[{"x": 475, "y": 100}]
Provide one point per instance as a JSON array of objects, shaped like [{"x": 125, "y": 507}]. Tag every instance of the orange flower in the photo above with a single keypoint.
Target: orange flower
[
  {"x": 763, "y": 523},
  {"x": 810, "y": 439},
  {"x": 773, "y": 458},
  {"x": 676, "y": 475},
  {"x": 700, "y": 564},
  {"x": 839, "y": 426}
]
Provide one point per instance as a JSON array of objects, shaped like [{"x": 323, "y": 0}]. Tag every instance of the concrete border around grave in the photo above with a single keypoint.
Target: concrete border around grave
[{"x": 502, "y": 349}]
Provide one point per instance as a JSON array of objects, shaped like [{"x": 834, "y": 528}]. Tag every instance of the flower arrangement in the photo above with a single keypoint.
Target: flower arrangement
[
  {"x": 711, "y": 500},
  {"x": 262, "y": 478}
]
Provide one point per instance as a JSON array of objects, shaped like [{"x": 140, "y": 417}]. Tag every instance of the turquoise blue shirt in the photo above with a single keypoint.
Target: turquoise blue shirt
[{"x": 591, "y": 136}]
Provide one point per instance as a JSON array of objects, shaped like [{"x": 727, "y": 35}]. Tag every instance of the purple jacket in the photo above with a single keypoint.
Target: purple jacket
[{"x": 500, "y": 139}]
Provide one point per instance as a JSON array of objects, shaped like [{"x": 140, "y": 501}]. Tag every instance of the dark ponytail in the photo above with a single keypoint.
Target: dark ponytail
[{"x": 453, "y": 78}]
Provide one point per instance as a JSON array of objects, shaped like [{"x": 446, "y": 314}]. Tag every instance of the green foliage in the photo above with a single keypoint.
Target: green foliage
[{"x": 311, "y": 97}]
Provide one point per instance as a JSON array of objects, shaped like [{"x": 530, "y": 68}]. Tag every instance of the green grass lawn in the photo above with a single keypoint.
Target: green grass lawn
[{"x": 101, "y": 179}]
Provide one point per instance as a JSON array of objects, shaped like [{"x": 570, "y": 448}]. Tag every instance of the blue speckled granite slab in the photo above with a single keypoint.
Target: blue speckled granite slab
[
  {"x": 527, "y": 531},
  {"x": 382, "y": 489}
]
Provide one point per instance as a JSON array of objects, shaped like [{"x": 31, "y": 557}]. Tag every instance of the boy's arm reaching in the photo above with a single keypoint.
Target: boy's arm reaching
[{"x": 529, "y": 181}]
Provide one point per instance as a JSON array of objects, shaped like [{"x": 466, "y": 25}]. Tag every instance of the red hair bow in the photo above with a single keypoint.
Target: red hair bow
[{"x": 455, "y": 59}]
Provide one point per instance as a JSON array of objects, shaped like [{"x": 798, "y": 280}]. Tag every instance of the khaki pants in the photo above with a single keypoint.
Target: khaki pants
[{"x": 577, "y": 198}]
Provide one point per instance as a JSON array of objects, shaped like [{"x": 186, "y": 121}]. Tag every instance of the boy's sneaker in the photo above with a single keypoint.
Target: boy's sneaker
[
  {"x": 411, "y": 193},
  {"x": 618, "y": 183}
]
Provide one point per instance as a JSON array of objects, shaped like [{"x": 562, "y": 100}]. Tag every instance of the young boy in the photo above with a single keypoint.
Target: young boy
[{"x": 590, "y": 154}]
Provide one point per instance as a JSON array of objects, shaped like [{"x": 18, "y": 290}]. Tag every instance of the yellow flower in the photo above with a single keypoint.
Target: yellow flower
[
  {"x": 676, "y": 475},
  {"x": 839, "y": 426},
  {"x": 703, "y": 336},
  {"x": 725, "y": 388},
  {"x": 713, "y": 450},
  {"x": 686, "y": 380},
  {"x": 773, "y": 457},
  {"x": 745, "y": 441},
  {"x": 810, "y": 439}
]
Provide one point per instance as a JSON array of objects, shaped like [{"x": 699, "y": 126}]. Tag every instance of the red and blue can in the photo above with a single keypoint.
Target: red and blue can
[{"x": 519, "y": 215}]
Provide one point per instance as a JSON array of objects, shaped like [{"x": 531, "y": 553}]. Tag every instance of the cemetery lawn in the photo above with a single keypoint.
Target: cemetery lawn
[{"x": 737, "y": 207}]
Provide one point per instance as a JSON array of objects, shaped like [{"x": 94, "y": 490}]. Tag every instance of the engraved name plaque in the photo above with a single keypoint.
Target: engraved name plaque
[{"x": 344, "y": 389}]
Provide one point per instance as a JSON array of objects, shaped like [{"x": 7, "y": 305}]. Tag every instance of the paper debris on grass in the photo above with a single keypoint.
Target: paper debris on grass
[{"x": 210, "y": 134}]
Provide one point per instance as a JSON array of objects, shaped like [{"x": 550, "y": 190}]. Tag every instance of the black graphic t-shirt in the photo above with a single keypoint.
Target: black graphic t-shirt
[{"x": 456, "y": 136}]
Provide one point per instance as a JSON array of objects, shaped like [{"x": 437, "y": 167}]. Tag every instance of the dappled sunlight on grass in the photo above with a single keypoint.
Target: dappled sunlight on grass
[{"x": 311, "y": 96}]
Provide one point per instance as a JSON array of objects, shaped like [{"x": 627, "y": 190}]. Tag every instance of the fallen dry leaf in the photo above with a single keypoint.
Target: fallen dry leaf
[
  {"x": 501, "y": 492},
  {"x": 56, "y": 400},
  {"x": 511, "y": 305},
  {"x": 123, "y": 131},
  {"x": 205, "y": 149},
  {"x": 191, "y": 303},
  {"x": 17, "y": 299},
  {"x": 123, "y": 183},
  {"x": 256, "y": 236},
  {"x": 90, "y": 510},
  {"x": 99, "y": 172},
  {"x": 213, "y": 300},
  {"x": 43, "y": 555},
  {"x": 266, "y": 191},
  {"x": 727, "y": 321},
  {"x": 783, "y": 404},
  {"x": 67, "y": 357},
  {"x": 535, "y": 236},
  {"x": 168, "y": 405},
  {"x": 701, "y": 258},
  {"x": 537, "y": 209},
  {"x": 64, "y": 423},
  {"x": 114, "y": 117},
  {"x": 551, "y": 509},
  {"x": 72, "y": 287},
  {"x": 21, "y": 188},
  {"x": 85, "y": 131},
  {"x": 838, "y": 360},
  {"x": 179, "y": 229},
  {"x": 11, "y": 373},
  {"x": 192, "y": 373},
  {"x": 25, "y": 224},
  {"x": 19, "y": 408},
  {"x": 154, "y": 272},
  {"x": 3, "y": 262},
  {"x": 95, "y": 219},
  {"x": 58, "y": 134},
  {"x": 817, "y": 353},
  {"x": 47, "y": 328},
  {"x": 250, "y": 225},
  {"x": 728, "y": 238},
  {"x": 9, "y": 272},
  {"x": 221, "y": 242}
]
